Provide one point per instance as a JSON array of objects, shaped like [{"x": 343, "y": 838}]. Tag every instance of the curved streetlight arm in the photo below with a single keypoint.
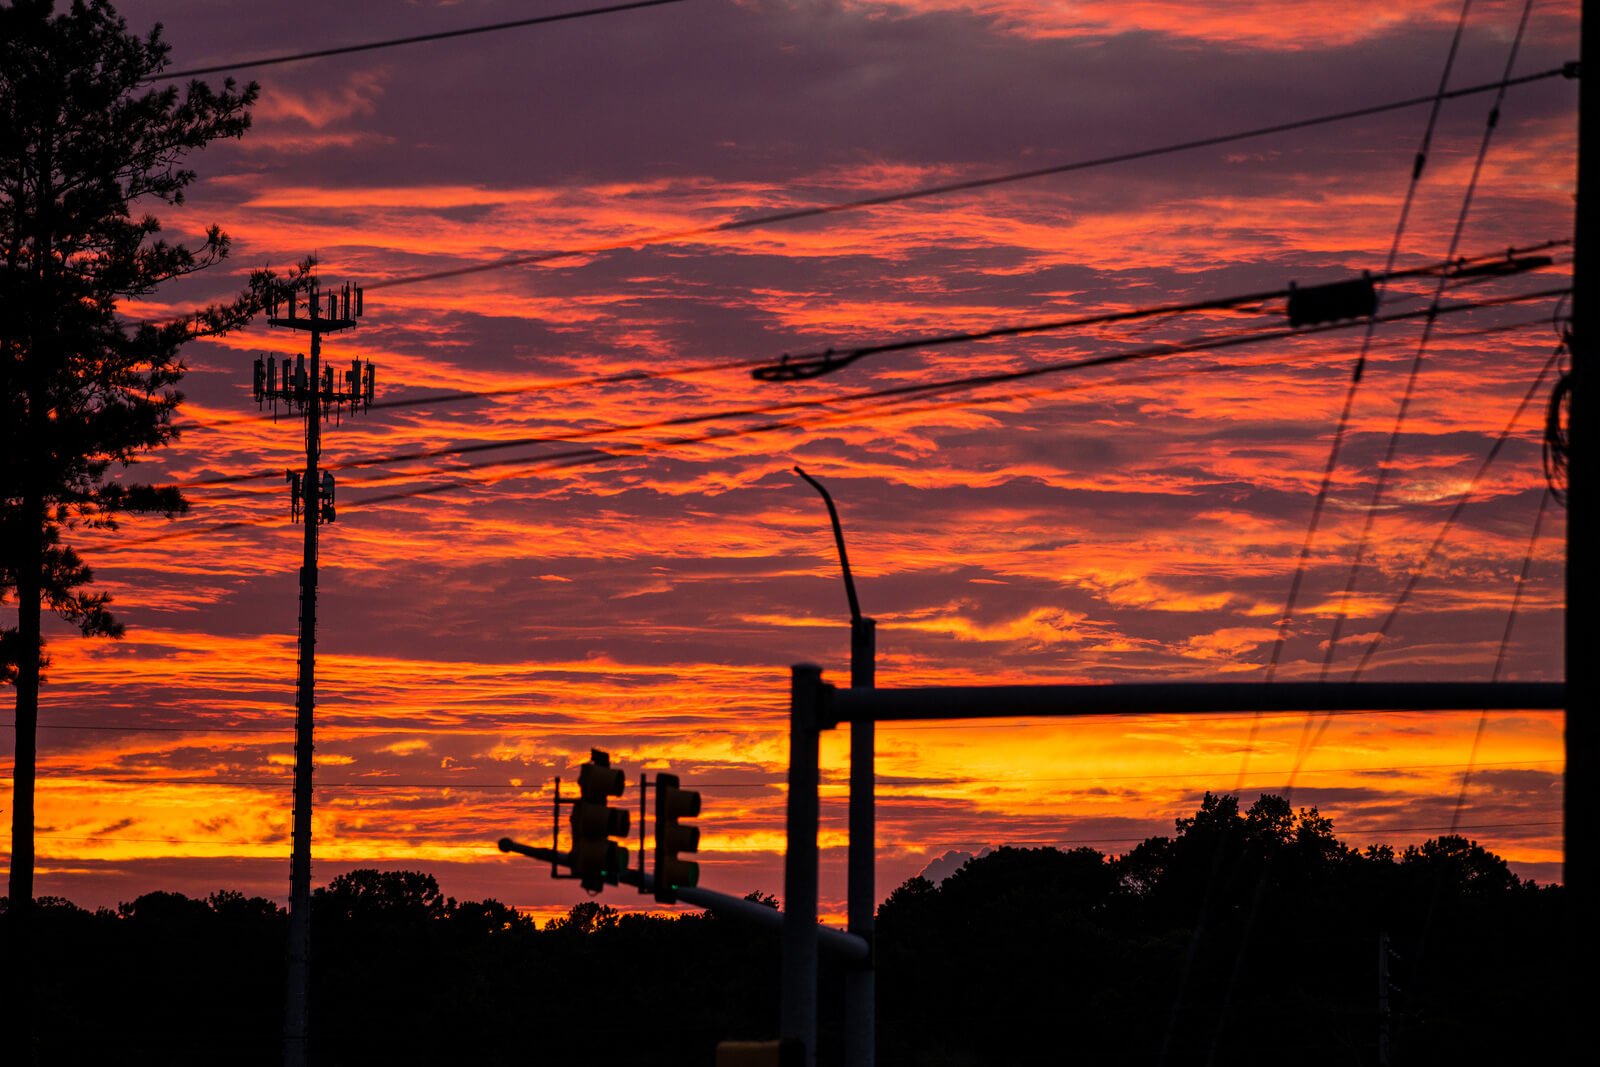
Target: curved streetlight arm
[{"x": 838, "y": 535}]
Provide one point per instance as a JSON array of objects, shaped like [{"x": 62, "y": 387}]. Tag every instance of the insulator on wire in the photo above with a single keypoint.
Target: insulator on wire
[{"x": 1353, "y": 299}]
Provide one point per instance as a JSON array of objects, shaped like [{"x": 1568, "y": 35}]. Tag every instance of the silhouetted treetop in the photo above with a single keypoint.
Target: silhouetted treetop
[{"x": 367, "y": 894}]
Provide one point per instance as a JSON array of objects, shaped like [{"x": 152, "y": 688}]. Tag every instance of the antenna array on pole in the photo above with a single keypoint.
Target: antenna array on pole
[{"x": 305, "y": 386}]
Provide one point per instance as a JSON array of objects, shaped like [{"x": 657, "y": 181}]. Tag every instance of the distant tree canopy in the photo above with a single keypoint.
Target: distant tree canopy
[{"x": 1246, "y": 937}]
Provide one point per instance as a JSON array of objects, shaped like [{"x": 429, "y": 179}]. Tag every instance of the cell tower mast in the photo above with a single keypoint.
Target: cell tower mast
[{"x": 314, "y": 390}]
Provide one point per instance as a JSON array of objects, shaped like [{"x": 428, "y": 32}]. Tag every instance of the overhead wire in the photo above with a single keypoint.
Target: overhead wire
[
  {"x": 1419, "y": 163},
  {"x": 1420, "y": 954},
  {"x": 1383, "y": 469},
  {"x": 1500, "y": 656},
  {"x": 844, "y": 418},
  {"x": 1568, "y": 70},
  {"x": 1422, "y": 565},
  {"x": 540, "y": 783},
  {"x": 393, "y": 42},
  {"x": 845, "y": 356},
  {"x": 628, "y": 377},
  {"x": 1385, "y": 465},
  {"x": 1467, "y": 270},
  {"x": 1308, "y": 739},
  {"x": 613, "y": 453}
]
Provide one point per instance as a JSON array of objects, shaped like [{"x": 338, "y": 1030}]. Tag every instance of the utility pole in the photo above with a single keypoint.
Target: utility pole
[
  {"x": 1579, "y": 798},
  {"x": 1383, "y": 999},
  {"x": 797, "y": 987},
  {"x": 315, "y": 391},
  {"x": 860, "y": 980}
]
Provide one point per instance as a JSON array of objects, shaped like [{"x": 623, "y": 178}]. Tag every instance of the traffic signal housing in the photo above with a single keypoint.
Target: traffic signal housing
[
  {"x": 596, "y": 859},
  {"x": 672, "y": 837}
]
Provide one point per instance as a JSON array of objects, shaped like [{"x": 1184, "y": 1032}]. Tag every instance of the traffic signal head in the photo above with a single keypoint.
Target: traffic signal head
[
  {"x": 672, "y": 837},
  {"x": 596, "y": 859}
]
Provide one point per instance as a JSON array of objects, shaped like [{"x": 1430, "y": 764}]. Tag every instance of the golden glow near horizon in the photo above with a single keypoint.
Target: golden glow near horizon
[{"x": 1129, "y": 523}]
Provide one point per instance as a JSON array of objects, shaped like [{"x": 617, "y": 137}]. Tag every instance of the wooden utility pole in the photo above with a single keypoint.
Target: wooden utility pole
[{"x": 1582, "y": 730}]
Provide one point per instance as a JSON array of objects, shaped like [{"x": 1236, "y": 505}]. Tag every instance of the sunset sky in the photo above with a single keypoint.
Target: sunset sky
[{"x": 1138, "y": 521}]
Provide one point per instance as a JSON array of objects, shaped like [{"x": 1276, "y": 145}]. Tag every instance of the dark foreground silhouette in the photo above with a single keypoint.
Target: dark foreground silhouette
[{"x": 1021, "y": 956}]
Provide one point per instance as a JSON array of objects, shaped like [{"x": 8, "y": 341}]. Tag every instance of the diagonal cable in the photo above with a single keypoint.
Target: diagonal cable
[
  {"x": 822, "y": 210},
  {"x": 1455, "y": 513},
  {"x": 1385, "y": 466},
  {"x": 1285, "y": 620},
  {"x": 369, "y": 46}
]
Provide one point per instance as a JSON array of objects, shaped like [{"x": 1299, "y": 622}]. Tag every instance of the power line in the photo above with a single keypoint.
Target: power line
[
  {"x": 765, "y": 409},
  {"x": 844, "y": 418},
  {"x": 417, "y": 39},
  {"x": 1258, "y": 774},
  {"x": 814, "y": 364},
  {"x": 585, "y": 456},
  {"x": 1370, "y": 831},
  {"x": 1384, "y": 466},
  {"x": 1381, "y": 483},
  {"x": 974, "y": 382},
  {"x": 1418, "y": 163},
  {"x": 1468, "y": 270},
  {"x": 1500, "y": 657},
  {"x": 540, "y": 783},
  {"x": 1569, "y": 70},
  {"x": 620, "y": 378},
  {"x": 1455, "y": 513},
  {"x": 163, "y": 729}
]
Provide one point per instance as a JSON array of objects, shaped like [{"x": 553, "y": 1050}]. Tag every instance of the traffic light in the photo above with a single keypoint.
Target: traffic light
[
  {"x": 672, "y": 837},
  {"x": 596, "y": 859}
]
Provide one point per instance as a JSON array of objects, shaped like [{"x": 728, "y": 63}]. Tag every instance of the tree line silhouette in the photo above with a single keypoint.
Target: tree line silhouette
[{"x": 1245, "y": 937}]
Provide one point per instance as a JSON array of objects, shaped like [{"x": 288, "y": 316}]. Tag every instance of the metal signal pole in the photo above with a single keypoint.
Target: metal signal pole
[
  {"x": 315, "y": 393},
  {"x": 860, "y": 981}
]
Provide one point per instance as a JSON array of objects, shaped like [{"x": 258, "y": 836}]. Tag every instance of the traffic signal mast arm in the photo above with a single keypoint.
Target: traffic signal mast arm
[{"x": 845, "y": 946}]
